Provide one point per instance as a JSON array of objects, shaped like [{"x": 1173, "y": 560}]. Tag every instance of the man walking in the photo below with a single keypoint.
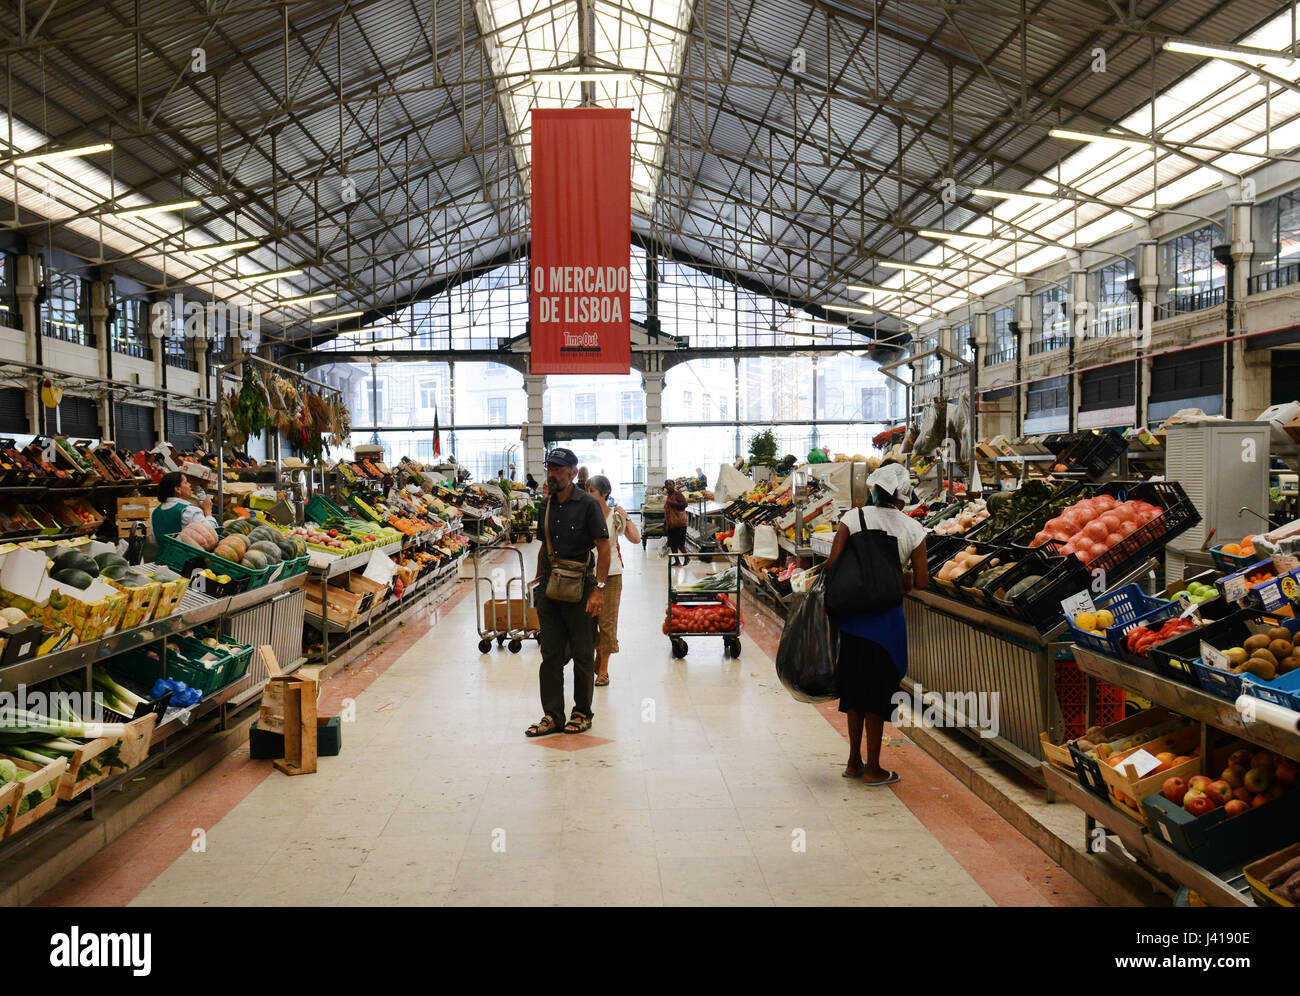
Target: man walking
[{"x": 569, "y": 595}]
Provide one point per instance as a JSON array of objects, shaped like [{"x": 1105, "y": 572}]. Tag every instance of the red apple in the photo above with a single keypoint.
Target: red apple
[
  {"x": 1244, "y": 794},
  {"x": 1239, "y": 759},
  {"x": 1262, "y": 759},
  {"x": 1234, "y": 775},
  {"x": 1200, "y": 783},
  {"x": 1259, "y": 800},
  {"x": 1198, "y": 805},
  {"x": 1235, "y": 807},
  {"x": 1285, "y": 772},
  {"x": 1258, "y": 779},
  {"x": 1219, "y": 791},
  {"x": 1174, "y": 789}
]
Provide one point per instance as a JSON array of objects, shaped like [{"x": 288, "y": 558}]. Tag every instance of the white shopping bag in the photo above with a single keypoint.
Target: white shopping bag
[{"x": 765, "y": 543}]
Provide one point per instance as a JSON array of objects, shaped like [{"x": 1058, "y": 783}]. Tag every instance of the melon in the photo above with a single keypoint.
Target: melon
[
  {"x": 75, "y": 560},
  {"x": 109, "y": 558},
  {"x": 74, "y": 577},
  {"x": 268, "y": 550},
  {"x": 115, "y": 572}
]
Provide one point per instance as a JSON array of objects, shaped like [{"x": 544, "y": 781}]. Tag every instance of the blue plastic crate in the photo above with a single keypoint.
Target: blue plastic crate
[
  {"x": 1229, "y": 562},
  {"x": 1221, "y": 684},
  {"x": 1130, "y": 605}
]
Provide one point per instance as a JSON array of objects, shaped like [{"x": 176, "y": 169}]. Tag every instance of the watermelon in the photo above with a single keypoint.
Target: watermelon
[
  {"x": 75, "y": 560},
  {"x": 109, "y": 558},
  {"x": 115, "y": 572},
  {"x": 74, "y": 577},
  {"x": 1020, "y": 587},
  {"x": 268, "y": 549}
]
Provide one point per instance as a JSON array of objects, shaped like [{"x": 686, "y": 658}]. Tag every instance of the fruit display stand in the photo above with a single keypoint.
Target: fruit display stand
[{"x": 1226, "y": 885}]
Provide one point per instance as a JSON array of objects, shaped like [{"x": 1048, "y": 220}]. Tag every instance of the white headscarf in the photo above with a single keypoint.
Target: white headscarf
[{"x": 892, "y": 478}]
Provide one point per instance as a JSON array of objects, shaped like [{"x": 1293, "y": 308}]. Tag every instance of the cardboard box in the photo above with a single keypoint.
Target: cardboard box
[
  {"x": 136, "y": 508},
  {"x": 500, "y": 614},
  {"x": 141, "y": 602},
  {"x": 92, "y": 612}
]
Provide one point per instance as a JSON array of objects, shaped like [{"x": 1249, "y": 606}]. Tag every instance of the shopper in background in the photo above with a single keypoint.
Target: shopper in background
[
  {"x": 582, "y": 478},
  {"x": 571, "y": 525},
  {"x": 675, "y": 522},
  {"x": 618, "y": 524},
  {"x": 873, "y": 646},
  {"x": 530, "y": 482},
  {"x": 179, "y": 507}
]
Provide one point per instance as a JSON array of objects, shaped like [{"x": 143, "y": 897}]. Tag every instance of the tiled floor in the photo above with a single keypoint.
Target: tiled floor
[{"x": 704, "y": 783}]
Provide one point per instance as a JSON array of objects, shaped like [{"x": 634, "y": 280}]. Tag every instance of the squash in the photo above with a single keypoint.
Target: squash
[
  {"x": 255, "y": 559},
  {"x": 238, "y": 540},
  {"x": 268, "y": 549}
]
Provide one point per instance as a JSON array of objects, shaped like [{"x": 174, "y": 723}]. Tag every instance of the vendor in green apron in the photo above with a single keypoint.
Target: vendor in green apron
[{"x": 178, "y": 509}]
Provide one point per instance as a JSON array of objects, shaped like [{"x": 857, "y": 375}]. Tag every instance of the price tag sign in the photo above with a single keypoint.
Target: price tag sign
[
  {"x": 1142, "y": 761},
  {"x": 1234, "y": 589},
  {"x": 1284, "y": 562},
  {"x": 1072, "y": 606},
  {"x": 1214, "y": 658}
]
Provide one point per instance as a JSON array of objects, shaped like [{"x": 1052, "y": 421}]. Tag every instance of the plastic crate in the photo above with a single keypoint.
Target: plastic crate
[
  {"x": 1176, "y": 658},
  {"x": 319, "y": 508},
  {"x": 175, "y": 554},
  {"x": 1071, "y": 693},
  {"x": 1087, "y": 771},
  {"x": 139, "y": 667},
  {"x": 1229, "y": 562},
  {"x": 1040, "y": 606},
  {"x": 294, "y": 566},
  {"x": 1130, "y": 606},
  {"x": 962, "y": 589},
  {"x": 1219, "y": 683},
  {"x": 1032, "y": 562},
  {"x": 1096, "y": 452}
]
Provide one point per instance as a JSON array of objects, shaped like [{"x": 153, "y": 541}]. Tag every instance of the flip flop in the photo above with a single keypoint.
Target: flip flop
[
  {"x": 602, "y": 680},
  {"x": 893, "y": 777},
  {"x": 845, "y": 774}
]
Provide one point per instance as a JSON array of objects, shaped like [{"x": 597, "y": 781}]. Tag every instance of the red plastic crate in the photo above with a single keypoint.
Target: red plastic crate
[{"x": 1072, "y": 695}]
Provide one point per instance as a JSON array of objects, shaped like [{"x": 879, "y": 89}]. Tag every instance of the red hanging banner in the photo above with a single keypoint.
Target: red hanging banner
[{"x": 579, "y": 297}]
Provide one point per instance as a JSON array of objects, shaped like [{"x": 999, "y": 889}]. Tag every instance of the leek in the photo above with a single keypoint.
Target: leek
[{"x": 22, "y": 721}]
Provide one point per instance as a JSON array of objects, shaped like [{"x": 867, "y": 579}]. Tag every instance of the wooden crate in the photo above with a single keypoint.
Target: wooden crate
[
  {"x": 134, "y": 747},
  {"x": 35, "y": 778},
  {"x": 347, "y": 609},
  {"x": 1121, "y": 781}
]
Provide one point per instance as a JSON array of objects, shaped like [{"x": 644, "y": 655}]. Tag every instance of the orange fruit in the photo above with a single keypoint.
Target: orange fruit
[
  {"x": 1232, "y": 548},
  {"x": 1166, "y": 757}
]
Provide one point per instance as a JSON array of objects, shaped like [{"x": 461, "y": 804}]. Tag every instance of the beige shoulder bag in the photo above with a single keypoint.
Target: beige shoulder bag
[{"x": 567, "y": 579}]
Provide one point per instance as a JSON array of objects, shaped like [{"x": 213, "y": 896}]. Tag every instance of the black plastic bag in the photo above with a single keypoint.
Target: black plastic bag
[{"x": 809, "y": 650}]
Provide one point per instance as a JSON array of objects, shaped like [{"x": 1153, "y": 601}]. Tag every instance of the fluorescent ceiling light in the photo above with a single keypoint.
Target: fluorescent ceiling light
[
  {"x": 1093, "y": 136},
  {"x": 849, "y": 309},
  {"x": 1009, "y": 195},
  {"x": 931, "y": 233},
  {"x": 49, "y": 157},
  {"x": 309, "y": 298},
  {"x": 583, "y": 76},
  {"x": 910, "y": 267},
  {"x": 155, "y": 209},
  {"x": 1233, "y": 54},
  {"x": 256, "y": 278},
  {"x": 341, "y": 316},
  {"x": 218, "y": 247},
  {"x": 867, "y": 289}
]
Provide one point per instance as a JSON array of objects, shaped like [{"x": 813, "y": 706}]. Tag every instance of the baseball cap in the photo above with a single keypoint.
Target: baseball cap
[{"x": 560, "y": 457}]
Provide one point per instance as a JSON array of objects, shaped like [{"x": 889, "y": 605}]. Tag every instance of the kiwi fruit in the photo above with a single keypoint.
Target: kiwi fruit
[
  {"x": 1280, "y": 648},
  {"x": 1257, "y": 642},
  {"x": 1264, "y": 654},
  {"x": 1236, "y": 655},
  {"x": 1260, "y": 668},
  {"x": 1279, "y": 633}
]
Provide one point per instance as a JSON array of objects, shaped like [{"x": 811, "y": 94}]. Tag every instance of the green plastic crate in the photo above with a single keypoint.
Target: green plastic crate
[
  {"x": 143, "y": 669},
  {"x": 295, "y": 566},
  {"x": 320, "y": 508},
  {"x": 174, "y": 554}
]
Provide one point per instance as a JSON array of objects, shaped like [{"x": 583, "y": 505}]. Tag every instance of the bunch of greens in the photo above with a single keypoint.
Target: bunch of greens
[
  {"x": 252, "y": 413},
  {"x": 1008, "y": 508},
  {"x": 762, "y": 448}
]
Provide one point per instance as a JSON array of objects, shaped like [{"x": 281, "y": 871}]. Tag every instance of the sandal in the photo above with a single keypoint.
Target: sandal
[
  {"x": 578, "y": 724},
  {"x": 893, "y": 777},
  {"x": 544, "y": 727},
  {"x": 602, "y": 679}
]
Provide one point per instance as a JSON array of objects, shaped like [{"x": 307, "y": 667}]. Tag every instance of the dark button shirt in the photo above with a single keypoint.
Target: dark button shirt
[{"x": 574, "y": 525}]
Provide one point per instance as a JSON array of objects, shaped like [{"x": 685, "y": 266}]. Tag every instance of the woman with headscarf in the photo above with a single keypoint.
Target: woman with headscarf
[{"x": 873, "y": 645}]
